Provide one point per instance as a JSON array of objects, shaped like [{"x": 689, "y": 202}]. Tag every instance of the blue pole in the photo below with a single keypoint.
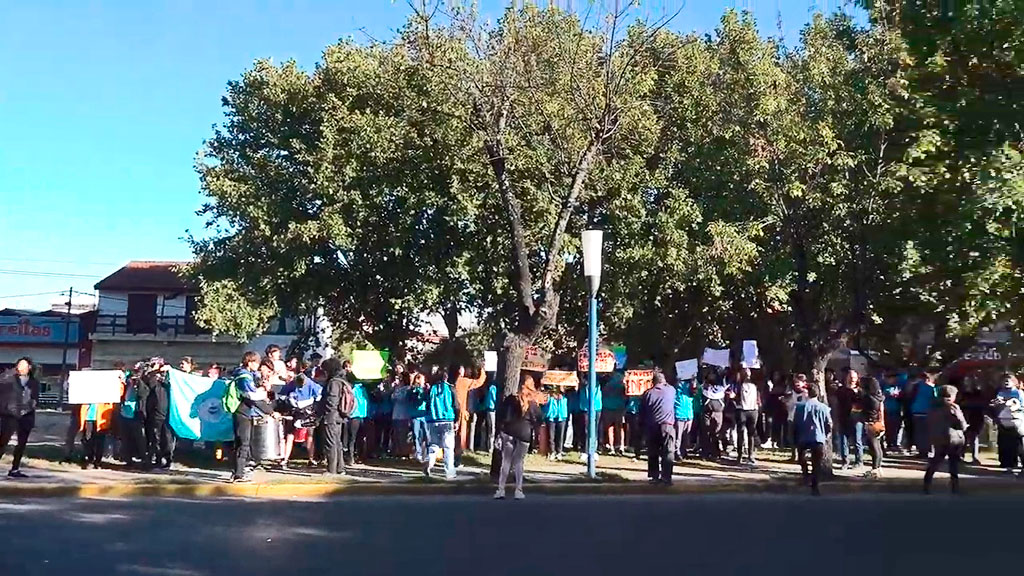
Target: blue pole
[{"x": 592, "y": 387}]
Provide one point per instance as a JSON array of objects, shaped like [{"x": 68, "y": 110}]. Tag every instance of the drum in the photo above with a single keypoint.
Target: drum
[{"x": 266, "y": 440}]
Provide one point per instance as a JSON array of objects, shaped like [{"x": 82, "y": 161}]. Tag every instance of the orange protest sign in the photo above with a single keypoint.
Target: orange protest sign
[
  {"x": 560, "y": 378},
  {"x": 638, "y": 381},
  {"x": 535, "y": 359},
  {"x": 605, "y": 360}
]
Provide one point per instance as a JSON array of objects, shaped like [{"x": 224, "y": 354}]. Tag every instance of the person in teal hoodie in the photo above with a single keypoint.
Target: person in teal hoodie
[
  {"x": 442, "y": 407},
  {"x": 577, "y": 420},
  {"x": 613, "y": 412},
  {"x": 354, "y": 431},
  {"x": 633, "y": 429},
  {"x": 419, "y": 394},
  {"x": 922, "y": 399},
  {"x": 684, "y": 417},
  {"x": 556, "y": 416},
  {"x": 585, "y": 408},
  {"x": 488, "y": 405}
]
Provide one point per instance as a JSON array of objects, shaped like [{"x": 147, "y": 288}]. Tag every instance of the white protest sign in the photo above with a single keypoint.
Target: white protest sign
[
  {"x": 94, "y": 386},
  {"x": 490, "y": 361},
  {"x": 686, "y": 369},
  {"x": 751, "y": 357},
  {"x": 715, "y": 357}
]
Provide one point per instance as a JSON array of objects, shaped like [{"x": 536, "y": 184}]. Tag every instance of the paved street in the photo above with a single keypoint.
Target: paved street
[{"x": 724, "y": 534}]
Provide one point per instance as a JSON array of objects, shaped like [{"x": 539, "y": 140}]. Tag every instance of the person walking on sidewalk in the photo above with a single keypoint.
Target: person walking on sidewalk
[
  {"x": 874, "y": 423},
  {"x": 658, "y": 416},
  {"x": 946, "y": 424},
  {"x": 812, "y": 423},
  {"x": 19, "y": 395},
  {"x": 442, "y": 413},
  {"x": 748, "y": 402},
  {"x": 518, "y": 415},
  {"x": 333, "y": 394}
]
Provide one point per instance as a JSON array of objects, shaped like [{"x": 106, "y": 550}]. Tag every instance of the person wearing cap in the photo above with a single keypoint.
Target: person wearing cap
[
  {"x": 658, "y": 417},
  {"x": 812, "y": 424},
  {"x": 946, "y": 425}
]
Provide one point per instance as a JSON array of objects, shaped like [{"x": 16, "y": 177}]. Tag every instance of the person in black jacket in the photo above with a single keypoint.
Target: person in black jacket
[
  {"x": 517, "y": 416},
  {"x": 19, "y": 394},
  {"x": 159, "y": 436},
  {"x": 333, "y": 421}
]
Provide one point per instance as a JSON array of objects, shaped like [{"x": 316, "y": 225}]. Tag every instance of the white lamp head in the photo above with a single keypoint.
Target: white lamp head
[{"x": 592, "y": 240}]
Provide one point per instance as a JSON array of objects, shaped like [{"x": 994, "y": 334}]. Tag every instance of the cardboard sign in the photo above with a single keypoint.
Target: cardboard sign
[
  {"x": 369, "y": 364},
  {"x": 564, "y": 378},
  {"x": 490, "y": 361},
  {"x": 95, "y": 386},
  {"x": 751, "y": 357},
  {"x": 535, "y": 359},
  {"x": 605, "y": 360},
  {"x": 715, "y": 357},
  {"x": 638, "y": 381},
  {"x": 686, "y": 369}
]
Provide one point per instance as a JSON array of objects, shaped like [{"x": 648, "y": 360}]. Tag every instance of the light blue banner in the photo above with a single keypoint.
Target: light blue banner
[{"x": 197, "y": 408}]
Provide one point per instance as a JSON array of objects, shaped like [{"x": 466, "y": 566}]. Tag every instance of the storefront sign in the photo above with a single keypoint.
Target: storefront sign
[{"x": 37, "y": 329}]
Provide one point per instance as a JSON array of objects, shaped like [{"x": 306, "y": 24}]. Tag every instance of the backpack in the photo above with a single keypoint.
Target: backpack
[
  {"x": 347, "y": 402},
  {"x": 232, "y": 399}
]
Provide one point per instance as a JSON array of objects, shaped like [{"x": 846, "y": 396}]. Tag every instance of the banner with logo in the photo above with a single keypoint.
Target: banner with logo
[{"x": 197, "y": 408}]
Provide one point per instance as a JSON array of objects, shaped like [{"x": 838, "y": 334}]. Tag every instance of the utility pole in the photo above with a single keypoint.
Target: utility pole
[{"x": 67, "y": 339}]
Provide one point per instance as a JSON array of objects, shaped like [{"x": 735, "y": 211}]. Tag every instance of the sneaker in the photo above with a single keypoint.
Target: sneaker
[
  {"x": 519, "y": 495},
  {"x": 284, "y": 465},
  {"x": 16, "y": 474},
  {"x": 426, "y": 469},
  {"x": 452, "y": 477},
  {"x": 243, "y": 479},
  {"x": 499, "y": 495},
  {"x": 552, "y": 457}
]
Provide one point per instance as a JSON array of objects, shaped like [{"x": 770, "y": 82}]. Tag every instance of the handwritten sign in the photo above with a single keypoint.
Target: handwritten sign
[
  {"x": 564, "y": 378},
  {"x": 490, "y": 361},
  {"x": 605, "y": 360},
  {"x": 369, "y": 364},
  {"x": 535, "y": 359},
  {"x": 95, "y": 386},
  {"x": 638, "y": 381}
]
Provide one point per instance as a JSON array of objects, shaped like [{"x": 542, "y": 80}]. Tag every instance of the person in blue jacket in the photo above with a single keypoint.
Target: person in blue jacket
[
  {"x": 634, "y": 433},
  {"x": 300, "y": 394},
  {"x": 488, "y": 405},
  {"x": 556, "y": 415},
  {"x": 576, "y": 419},
  {"x": 613, "y": 412},
  {"x": 922, "y": 399},
  {"x": 419, "y": 394},
  {"x": 355, "y": 432},
  {"x": 442, "y": 408},
  {"x": 684, "y": 418}
]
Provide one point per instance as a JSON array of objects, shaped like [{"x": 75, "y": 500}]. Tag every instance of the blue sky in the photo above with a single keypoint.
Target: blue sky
[{"x": 103, "y": 106}]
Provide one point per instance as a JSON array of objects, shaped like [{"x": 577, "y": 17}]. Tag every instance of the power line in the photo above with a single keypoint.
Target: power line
[
  {"x": 29, "y": 295},
  {"x": 40, "y": 274},
  {"x": 44, "y": 261}
]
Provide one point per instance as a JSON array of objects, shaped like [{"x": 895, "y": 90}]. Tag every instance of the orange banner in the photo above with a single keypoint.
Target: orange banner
[
  {"x": 560, "y": 378},
  {"x": 535, "y": 359},
  {"x": 638, "y": 381},
  {"x": 605, "y": 360}
]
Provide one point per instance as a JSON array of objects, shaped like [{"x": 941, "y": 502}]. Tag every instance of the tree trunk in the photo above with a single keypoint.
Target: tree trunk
[{"x": 510, "y": 363}]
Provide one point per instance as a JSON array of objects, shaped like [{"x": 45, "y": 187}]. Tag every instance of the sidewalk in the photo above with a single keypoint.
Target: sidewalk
[{"x": 199, "y": 476}]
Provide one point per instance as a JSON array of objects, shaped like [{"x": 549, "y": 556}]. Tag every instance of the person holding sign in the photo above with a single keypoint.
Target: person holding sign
[
  {"x": 556, "y": 413},
  {"x": 19, "y": 394},
  {"x": 613, "y": 402}
]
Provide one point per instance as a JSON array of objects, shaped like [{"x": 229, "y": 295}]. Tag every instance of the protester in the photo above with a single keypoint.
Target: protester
[
  {"x": 873, "y": 403},
  {"x": 748, "y": 403},
  {"x": 355, "y": 434},
  {"x": 187, "y": 365},
  {"x": 300, "y": 395},
  {"x": 333, "y": 416},
  {"x": 419, "y": 395},
  {"x": 556, "y": 413},
  {"x": 851, "y": 421},
  {"x": 812, "y": 424},
  {"x": 401, "y": 417},
  {"x": 97, "y": 423},
  {"x": 684, "y": 418},
  {"x": 613, "y": 412},
  {"x": 214, "y": 371},
  {"x": 796, "y": 394},
  {"x": 923, "y": 399},
  {"x": 383, "y": 416},
  {"x": 278, "y": 370},
  {"x": 518, "y": 415},
  {"x": 893, "y": 405},
  {"x": 19, "y": 395},
  {"x": 946, "y": 425},
  {"x": 577, "y": 419},
  {"x": 974, "y": 403},
  {"x": 634, "y": 432},
  {"x": 488, "y": 406},
  {"x": 714, "y": 406},
  {"x": 74, "y": 423},
  {"x": 658, "y": 416},
  {"x": 1009, "y": 406},
  {"x": 254, "y": 405},
  {"x": 442, "y": 413},
  {"x": 585, "y": 407},
  {"x": 463, "y": 385},
  {"x": 155, "y": 395},
  {"x": 133, "y": 419}
]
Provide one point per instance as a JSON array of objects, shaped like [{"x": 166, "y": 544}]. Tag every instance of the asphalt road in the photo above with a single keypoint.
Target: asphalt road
[{"x": 412, "y": 536}]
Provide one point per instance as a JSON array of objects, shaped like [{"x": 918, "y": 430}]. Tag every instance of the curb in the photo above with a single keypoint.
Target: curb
[{"x": 320, "y": 491}]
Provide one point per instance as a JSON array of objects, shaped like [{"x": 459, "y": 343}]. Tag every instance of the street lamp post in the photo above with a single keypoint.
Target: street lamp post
[{"x": 592, "y": 271}]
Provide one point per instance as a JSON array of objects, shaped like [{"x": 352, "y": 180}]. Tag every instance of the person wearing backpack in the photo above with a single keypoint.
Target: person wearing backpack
[
  {"x": 336, "y": 408},
  {"x": 442, "y": 410},
  {"x": 247, "y": 402}
]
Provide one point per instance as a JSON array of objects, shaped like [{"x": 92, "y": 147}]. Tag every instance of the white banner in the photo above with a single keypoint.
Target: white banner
[
  {"x": 94, "y": 386},
  {"x": 686, "y": 369},
  {"x": 490, "y": 361},
  {"x": 715, "y": 357},
  {"x": 751, "y": 357}
]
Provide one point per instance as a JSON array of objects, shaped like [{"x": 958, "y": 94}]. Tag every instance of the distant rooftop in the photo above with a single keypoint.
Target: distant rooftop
[{"x": 148, "y": 276}]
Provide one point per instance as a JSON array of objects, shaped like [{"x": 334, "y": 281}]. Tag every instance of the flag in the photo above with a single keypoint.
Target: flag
[{"x": 197, "y": 408}]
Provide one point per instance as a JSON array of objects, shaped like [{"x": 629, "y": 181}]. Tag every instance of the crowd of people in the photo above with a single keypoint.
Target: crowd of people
[{"x": 434, "y": 415}]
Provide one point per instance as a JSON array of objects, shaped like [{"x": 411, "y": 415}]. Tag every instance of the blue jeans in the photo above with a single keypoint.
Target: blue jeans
[
  {"x": 419, "y": 434},
  {"x": 853, "y": 435},
  {"x": 442, "y": 437}
]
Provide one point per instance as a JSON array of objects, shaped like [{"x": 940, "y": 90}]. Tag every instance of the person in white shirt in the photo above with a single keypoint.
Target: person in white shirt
[{"x": 748, "y": 404}]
